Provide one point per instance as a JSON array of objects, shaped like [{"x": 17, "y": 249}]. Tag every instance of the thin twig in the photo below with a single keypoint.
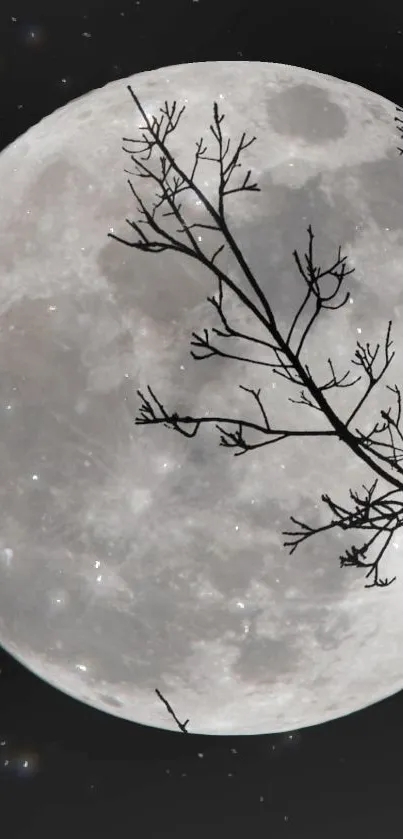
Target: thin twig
[{"x": 181, "y": 725}]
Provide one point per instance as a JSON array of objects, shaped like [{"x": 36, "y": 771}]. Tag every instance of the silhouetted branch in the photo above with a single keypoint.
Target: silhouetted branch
[
  {"x": 400, "y": 127},
  {"x": 380, "y": 448},
  {"x": 387, "y": 519},
  {"x": 365, "y": 357},
  {"x": 149, "y": 415},
  {"x": 181, "y": 725},
  {"x": 312, "y": 275}
]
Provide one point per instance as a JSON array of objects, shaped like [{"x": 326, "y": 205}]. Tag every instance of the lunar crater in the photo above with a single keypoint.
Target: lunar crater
[{"x": 306, "y": 111}]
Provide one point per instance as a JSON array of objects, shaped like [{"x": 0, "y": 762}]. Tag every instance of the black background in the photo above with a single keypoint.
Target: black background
[{"x": 65, "y": 769}]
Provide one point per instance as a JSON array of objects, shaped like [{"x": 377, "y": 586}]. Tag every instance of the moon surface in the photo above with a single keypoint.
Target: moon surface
[{"x": 132, "y": 558}]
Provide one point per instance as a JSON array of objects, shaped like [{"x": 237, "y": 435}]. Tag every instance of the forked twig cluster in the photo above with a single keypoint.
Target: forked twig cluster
[{"x": 379, "y": 515}]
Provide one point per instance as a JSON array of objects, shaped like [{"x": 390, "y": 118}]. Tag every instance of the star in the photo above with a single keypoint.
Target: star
[{"x": 33, "y": 34}]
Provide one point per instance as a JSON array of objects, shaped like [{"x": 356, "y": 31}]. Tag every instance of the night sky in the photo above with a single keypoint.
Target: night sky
[{"x": 68, "y": 770}]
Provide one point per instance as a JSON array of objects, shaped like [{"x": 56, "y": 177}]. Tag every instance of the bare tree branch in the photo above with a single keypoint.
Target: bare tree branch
[
  {"x": 181, "y": 725},
  {"x": 400, "y": 126},
  {"x": 149, "y": 416},
  {"x": 380, "y": 449},
  {"x": 365, "y": 357},
  {"x": 388, "y": 519},
  {"x": 311, "y": 276}
]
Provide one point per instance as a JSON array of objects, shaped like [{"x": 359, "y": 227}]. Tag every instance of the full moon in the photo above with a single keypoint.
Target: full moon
[{"x": 133, "y": 558}]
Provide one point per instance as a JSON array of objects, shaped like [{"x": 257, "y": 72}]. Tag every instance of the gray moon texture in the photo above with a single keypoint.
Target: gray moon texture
[{"x": 132, "y": 558}]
